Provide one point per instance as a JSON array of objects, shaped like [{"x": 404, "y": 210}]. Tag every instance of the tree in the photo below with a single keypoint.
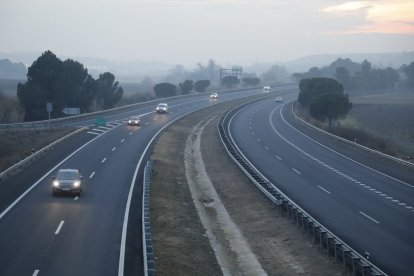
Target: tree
[
  {"x": 251, "y": 81},
  {"x": 108, "y": 91},
  {"x": 409, "y": 72},
  {"x": 230, "y": 81},
  {"x": 342, "y": 75},
  {"x": 165, "y": 89},
  {"x": 312, "y": 88},
  {"x": 40, "y": 87},
  {"x": 186, "y": 87},
  {"x": 329, "y": 106},
  {"x": 201, "y": 85}
]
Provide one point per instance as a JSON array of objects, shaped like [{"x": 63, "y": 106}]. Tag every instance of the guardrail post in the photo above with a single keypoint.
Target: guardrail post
[{"x": 355, "y": 260}]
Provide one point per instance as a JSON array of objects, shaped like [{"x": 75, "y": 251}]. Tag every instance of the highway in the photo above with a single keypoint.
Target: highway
[
  {"x": 99, "y": 232},
  {"x": 364, "y": 199}
]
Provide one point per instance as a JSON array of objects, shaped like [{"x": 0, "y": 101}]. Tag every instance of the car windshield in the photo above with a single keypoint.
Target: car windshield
[
  {"x": 67, "y": 175},
  {"x": 134, "y": 118},
  {"x": 162, "y": 105}
]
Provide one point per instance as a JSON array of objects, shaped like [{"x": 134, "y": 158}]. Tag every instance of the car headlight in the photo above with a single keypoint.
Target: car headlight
[
  {"x": 55, "y": 183},
  {"x": 76, "y": 183}
]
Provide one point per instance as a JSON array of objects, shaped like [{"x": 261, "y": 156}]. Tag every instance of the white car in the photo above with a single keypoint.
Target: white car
[
  {"x": 279, "y": 99},
  {"x": 266, "y": 89},
  {"x": 162, "y": 108},
  {"x": 213, "y": 96}
]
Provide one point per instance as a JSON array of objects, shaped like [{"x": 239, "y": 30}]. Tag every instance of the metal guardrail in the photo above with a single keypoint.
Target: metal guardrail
[
  {"x": 28, "y": 160},
  {"x": 327, "y": 241},
  {"x": 148, "y": 252},
  {"x": 401, "y": 161}
]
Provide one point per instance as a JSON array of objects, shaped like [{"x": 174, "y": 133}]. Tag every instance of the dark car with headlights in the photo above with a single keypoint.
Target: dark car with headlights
[
  {"x": 67, "y": 181},
  {"x": 134, "y": 121}
]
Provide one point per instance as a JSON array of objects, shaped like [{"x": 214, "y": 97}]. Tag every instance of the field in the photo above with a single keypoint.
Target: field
[
  {"x": 15, "y": 145},
  {"x": 388, "y": 117}
]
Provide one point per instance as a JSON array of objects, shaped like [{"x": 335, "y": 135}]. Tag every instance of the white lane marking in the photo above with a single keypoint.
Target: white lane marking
[
  {"x": 402, "y": 204},
  {"x": 59, "y": 227},
  {"x": 99, "y": 130},
  {"x": 258, "y": 140},
  {"x": 278, "y": 157},
  {"x": 114, "y": 148},
  {"x": 92, "y": 174},
  {"x": 368, "y": 217},
  {"x": 325, "y": 190},
  {"x": 344, "y": 156},
  {"x": 146, "y": 123},
  {"x": 253, "y": 133},
  {"x": 296, "y": 171},
  {"x": 408, "y": 207},
  {"x": 103, "y": 160},
  {"x": 266, "y": 147},
  {"x": 36, "y": 272},
  {"x": 123, "y": 140},
  {"x": 130, "y": 133},
  {"x": 76, "y": 198},
  {"x": 105, "y": 128},
  {"x": 94, "y": 133}
]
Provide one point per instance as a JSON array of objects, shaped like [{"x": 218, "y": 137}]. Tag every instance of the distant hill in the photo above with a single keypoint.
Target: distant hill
[
  {"x": 12, "y": 71},
  {"x": 382, "y": 60}
]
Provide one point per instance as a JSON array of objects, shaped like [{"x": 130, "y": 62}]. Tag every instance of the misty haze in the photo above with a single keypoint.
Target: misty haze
[{"x": 203, "y": 137}]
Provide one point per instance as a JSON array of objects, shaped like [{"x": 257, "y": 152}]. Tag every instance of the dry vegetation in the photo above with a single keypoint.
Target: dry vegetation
[
  {"x": 382, "y": 122},
  {"x": 16, "y": 145}
]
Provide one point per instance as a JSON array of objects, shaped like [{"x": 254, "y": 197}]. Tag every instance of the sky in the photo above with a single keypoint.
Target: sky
[{"x": 186, "y": 32}]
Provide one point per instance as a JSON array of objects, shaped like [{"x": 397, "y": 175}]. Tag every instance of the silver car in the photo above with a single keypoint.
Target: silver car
[
  {"x": 67, "y": 181},
  {"x": 162, "y": 108}
]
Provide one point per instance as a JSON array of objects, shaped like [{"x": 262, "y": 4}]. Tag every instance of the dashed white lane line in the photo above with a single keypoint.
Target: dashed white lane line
[
  {"x": 114, "y": 148},
  {"x": 267, "y": 148},
  {"x": 278, "y": 157},
  {"x": 130, "y": 133},
  {"x": 258, "y": 140},
  {"x": 253, "y": 133},
  {"x": 76, "y": 198},
  {"x": 296, "y": 171},
  {"x": 146, "y": 123},
  {"x": 59, "y": 227},
  {"x": 368, "y": 217},
  {"x": 103, "y": 160},
  {"x": 123, "y": 140},
  {"x": 325, "y": 190},
  {"x": 92, "y": 174},
  {"x": 36, "y": 272}
]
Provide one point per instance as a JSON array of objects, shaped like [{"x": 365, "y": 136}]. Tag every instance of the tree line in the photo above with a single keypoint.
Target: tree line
[
  {"x": 362, "y": 76},
  {"x": 65, "y": 84}
]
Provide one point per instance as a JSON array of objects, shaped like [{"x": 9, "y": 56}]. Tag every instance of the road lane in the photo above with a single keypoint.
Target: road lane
[{"x": 364, "y": 207}]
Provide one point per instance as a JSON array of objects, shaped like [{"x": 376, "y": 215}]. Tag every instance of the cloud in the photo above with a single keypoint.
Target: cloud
[{"x": 381, "y": 16}]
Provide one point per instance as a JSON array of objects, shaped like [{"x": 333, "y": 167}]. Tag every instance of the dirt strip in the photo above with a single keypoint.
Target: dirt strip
[{"x": 181, "y": 242}]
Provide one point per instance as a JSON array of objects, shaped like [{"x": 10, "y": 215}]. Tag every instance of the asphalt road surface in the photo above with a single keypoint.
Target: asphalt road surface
[
  {"x": 99, "y": 232},
  {"x": 364, "y": 199}
]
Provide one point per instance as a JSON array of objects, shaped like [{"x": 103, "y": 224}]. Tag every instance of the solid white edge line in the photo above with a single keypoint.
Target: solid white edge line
[
  {"x": 131, "y": 189},
  {"x": 59, "y": 227},
  {"x": 36, "y": 272},
  {"x": 368, "y": 217}
]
